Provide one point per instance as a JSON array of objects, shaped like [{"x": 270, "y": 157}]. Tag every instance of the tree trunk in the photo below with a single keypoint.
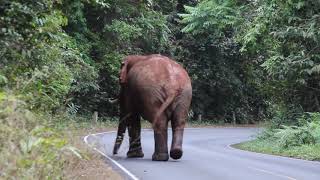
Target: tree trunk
[
  {"x": 200, "y": 117},
  {"x": 95, "y": 117},
  {"x": 234, "y": 118}
]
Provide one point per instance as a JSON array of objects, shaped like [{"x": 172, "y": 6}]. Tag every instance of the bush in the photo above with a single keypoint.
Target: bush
[
  {"x": 284, "y": 115},
  {"x": 306, "y": 132},
  {"x": 30, "y": 148},
  {"x": 315, "y": 127},
  {"x": 47, "y": 87},
  {"x": 313, "y": 122},
  {"x": 290, "y": 136}
]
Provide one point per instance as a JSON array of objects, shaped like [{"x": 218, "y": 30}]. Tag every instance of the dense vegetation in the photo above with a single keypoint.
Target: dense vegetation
[
  {"x": 301, "y": 141},
  {"x": 249, "y": 60}
]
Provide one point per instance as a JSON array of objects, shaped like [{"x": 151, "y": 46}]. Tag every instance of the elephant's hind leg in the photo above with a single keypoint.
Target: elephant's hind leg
[
  {"x": 178, "y": 123},
  {"x": 134, "y": 128},
  {"x": 160, "y": 127}
]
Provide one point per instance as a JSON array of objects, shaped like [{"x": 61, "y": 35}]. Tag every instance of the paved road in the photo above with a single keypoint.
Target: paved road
[{"x": 207, "y": 155}]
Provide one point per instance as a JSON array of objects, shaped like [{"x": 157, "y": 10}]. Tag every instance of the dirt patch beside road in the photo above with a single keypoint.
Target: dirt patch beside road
[{"x": 93, "y": 166}]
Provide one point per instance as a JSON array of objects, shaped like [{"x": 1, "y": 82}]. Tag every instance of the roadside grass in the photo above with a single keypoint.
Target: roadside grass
[
  {"x": 306, "y": 152},
  {"x": 42, "y": 146},
  {"x": 300, "y": 140},
  {"x": 93, "y": 166}
]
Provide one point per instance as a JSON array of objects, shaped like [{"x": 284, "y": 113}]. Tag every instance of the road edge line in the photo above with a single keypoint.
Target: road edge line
[
  {"x": 126, "y": 171},
  {"x": 277, "y": 156},
  {"x": 272, "y": 173}
]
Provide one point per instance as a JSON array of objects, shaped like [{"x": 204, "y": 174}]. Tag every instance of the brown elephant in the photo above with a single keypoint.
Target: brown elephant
[{"x": 159, "y": 90}]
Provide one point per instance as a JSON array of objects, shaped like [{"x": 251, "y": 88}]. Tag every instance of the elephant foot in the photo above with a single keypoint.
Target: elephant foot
[
  {"x": 135, "y": 153},
  {"x": 160, "y": 157},
  {"x": 176, "y": 153}
]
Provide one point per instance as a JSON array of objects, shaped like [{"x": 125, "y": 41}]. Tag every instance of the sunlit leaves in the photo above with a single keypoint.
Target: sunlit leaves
[
  {"x": 38, "y": 57},
  {"x": 123, "y": 31},
  {"x": 210, "y": 15},
  {"x": 282, "y": 36}
]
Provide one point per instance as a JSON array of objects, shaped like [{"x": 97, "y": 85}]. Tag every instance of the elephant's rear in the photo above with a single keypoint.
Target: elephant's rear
[
  {"x": 159, "y": 90},
  {"x": 158, "y": 81}
]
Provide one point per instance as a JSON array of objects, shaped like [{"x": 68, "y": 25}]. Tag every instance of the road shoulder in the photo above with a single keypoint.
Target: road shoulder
[{"x": 93, "y": 165}]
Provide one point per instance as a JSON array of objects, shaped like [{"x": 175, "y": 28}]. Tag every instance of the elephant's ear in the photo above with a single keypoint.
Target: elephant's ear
[{"x": 123, "y": 72}]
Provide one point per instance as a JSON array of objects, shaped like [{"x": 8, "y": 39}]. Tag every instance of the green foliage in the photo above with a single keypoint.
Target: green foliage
[
  {"x": 282, "y": 114},
  {"x": 308, "y": 152},
  {"x": 294, "y": 136},
  {"x": 306, "y": 131},
  {"x": 286, "y": 34},
  {"x": 211, "y": 17},
  {"x": 312, "y": 120},
  {"x": 29, "y": 147},
  {"x": 278, "y": 40},
  {"x": 45, "y": 87},
  {"x": 315, "y": 127},
  {"x": 242, "y": 56},
  {"x": 38, "y": 59},
  {"x": 302, "y": 141},
  {"x": 248, "y": 60},
  {"x": 125, "y": 33},
  {"x": 155, "y": 31},
  {"x": 104, "y": 35},
  {"x": 3, "y": 81},
  {"x": 225, "y": 82}
]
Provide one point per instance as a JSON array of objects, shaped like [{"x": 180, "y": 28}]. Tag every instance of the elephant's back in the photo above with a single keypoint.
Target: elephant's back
[
  {"x": 159, "y": 71},
  {"x": 151, "y": 82}
]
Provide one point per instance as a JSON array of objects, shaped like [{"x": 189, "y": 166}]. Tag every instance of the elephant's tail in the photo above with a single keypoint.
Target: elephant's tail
[
  {"x": 164, "y": 106},
  {"x": 120, "y": 134}
]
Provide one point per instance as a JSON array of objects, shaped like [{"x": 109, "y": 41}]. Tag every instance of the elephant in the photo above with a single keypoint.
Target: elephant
[{"x": 159, "y": 90}]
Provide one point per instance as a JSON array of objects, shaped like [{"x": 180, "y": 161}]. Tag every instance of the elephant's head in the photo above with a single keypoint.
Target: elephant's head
[{"x": 128, "y": 63}]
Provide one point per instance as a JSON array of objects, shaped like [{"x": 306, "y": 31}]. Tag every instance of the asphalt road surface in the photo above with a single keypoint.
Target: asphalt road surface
[{"x": 207, "y": 155}]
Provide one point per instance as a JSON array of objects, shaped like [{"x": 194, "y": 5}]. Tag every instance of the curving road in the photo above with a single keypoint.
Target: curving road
[{"x": 207, "y": 155}]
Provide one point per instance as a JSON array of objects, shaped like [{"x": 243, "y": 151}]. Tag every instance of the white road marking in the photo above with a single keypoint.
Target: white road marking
[
  {"x": 126, "y": 171},
  {"x": 272, "y": 155},
  {"x": 112, "y": 160},
  {"x": 132, "y": 176},
  {"x": 272, "y": 173}
]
